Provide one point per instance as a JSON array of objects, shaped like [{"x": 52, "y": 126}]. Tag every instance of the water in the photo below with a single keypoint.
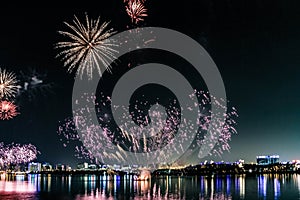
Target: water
[{"x": 84, "y": 187}]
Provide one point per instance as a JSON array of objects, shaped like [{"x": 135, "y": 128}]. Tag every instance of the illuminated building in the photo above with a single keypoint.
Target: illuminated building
[
  {"x": 92, "y": 166},
  {"x": 296, "y": 161},
  {"x": 83, "y": 166},
  {"x": 267, "y": 160},
  {"x": 60, "y": 167},
  {"x": 68, "y": 168},
  {"x": 34, "y": 167},
  {"x": 46, "y": 167}
]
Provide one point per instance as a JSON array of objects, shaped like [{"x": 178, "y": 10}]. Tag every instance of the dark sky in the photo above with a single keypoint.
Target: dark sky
[{"x": 255, "y": 44}]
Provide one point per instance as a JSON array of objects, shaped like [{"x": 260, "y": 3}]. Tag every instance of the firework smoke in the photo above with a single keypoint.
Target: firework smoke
[{"x": 33, "y": 83}]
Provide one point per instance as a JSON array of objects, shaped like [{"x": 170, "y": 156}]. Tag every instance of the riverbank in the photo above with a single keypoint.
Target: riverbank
[{"x": 201, "y": 169}]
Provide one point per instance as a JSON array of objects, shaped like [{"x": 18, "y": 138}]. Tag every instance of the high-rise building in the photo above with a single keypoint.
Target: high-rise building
[
  {"x": 267, "y": 160},
  {"x": 34, "y": 167},
  {"x": 60, "y": 167},
  {"x": 46, "y": 167}
]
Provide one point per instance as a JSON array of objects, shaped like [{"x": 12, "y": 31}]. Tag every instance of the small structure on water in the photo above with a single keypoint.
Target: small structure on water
[{"x": 143, "y": 175}]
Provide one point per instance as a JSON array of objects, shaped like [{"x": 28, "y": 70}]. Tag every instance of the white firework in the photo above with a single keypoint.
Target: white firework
[
  {"x": 89, "y": 47},
  {"x": 8, "y": 84}
]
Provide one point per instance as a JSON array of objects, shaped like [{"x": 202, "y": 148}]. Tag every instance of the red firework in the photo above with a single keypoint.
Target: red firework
[
  {"x": 143, "y": 1},
  {"x": 136, "y": 10},
  {"x": 8, "y": 110}
]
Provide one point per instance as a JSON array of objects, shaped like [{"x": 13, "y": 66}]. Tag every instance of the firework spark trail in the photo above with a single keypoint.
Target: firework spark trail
[
  {"x": 143, "y": 1},
  {"x": 8, "y": 110},
  {"x": 82, "y": 153},
  {"x": 136, "y": 10},
  {"x": 221, "y": 132},
  {"x": 67, "y": 133},
  {"x": 154, "y": 136},
  {"x": 89, "y": 47},
  {"x": 138, "y": 40},
  {"x": 14, "y": 154},
  {"x": 8, "y": 84}
]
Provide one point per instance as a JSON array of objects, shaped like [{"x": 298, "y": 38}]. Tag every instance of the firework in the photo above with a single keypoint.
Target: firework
[
  {"x": 221, "y": 132},
  {"x": 154, "y": 131},
  {"x": 8, "y": 110},
  {"x": 136, "y": 10},
  {"x": 82, "y": 153},
  {"x": 89, "y": 47},
  {"x": 14, "y": 154},
  {"x": 8, "y": 84},
  {"x": 68, "y": 134},
  {"x": 143, "y": 1}
]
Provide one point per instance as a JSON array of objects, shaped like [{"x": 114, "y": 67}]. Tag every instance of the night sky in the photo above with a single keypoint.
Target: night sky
[{"x": 255, "y": 44}]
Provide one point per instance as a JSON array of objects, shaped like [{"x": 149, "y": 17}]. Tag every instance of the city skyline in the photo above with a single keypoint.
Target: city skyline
[{"x": 255, "y": 46}]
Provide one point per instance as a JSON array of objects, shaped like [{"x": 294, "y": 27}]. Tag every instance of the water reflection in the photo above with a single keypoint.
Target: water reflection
[
  {"x": 15, "y": 184},
  {"x": 277, "y": 187},
  {"x": 271, "y": 185},
  {"x": 164, "y": 187},
  {"x": 262, "y": 186}
]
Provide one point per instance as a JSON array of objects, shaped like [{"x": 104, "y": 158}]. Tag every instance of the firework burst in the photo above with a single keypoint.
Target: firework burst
[
  {"x": 89, "y": 47},
  {"x": 143, "y": 1},
  {"x": 136, "y": 10},
  {"x": 14, "y": 154},
  {"x": 8, "y": 84},
  {"x": 156, "y": 130},
  {"x": 8, "y": 110}
]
